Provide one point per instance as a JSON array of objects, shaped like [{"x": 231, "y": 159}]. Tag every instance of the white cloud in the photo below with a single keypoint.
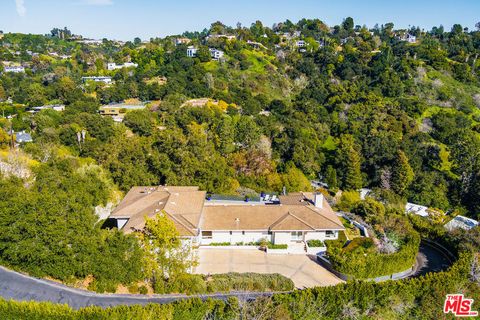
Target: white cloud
[
  {"x": 21, "y": 10},
  {"x": 98, "y": 2}
]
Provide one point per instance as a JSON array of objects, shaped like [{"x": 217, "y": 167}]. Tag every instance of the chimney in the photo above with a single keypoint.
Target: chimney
[{"x": 318, "y": 200}]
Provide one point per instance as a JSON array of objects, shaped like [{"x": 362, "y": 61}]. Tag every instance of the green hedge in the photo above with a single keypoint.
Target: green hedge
[
  {"x": 220, "y": 244},
  {"x": 277, "y": 246},
  {"x": 225, "y": 282},
  {"x": 185, "y": 309},
  {"x": 364, "y": 263},
  {"x": 248, "y": 282}
]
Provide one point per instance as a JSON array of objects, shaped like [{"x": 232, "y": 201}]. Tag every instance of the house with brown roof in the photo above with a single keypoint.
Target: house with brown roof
[{"x": 292, "y": 218}]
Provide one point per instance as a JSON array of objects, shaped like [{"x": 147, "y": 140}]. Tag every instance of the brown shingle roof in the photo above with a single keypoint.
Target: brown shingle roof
[
  {"x": 269, "y": 217},
  {"x": 182, "y": 204},
  {"x": 297, "y": 198},
  {"x": 185, "y": 207}
]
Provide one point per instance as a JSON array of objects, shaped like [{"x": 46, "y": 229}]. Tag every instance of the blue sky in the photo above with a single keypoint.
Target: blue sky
[{"x": 126, "y": 19}]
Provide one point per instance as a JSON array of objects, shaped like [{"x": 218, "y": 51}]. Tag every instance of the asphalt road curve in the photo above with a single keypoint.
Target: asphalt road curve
[{"x": 20, "y": 287}]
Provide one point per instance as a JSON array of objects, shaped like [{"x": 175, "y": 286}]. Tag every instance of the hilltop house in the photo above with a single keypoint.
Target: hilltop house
[
  {"x": 300, "y": 43},
  {"x": 14, "y": 69},
  {"x": 216, "y": 54},
  {"x": 192, "y": 52},
  {"x": 106, "y": 80},
  {"x": 288, "y": 219},
  {"x": 55, "y": 107},
  {"x": 113, "y": 66},
  {"x": 179, "y": 41},
  {"x": 219, "y": 36},
  {"x": 23, "y": 137},
  {"x": 417, "y": 209},
  {"x": 407, "y": 37},
  {"x": 461, "y": 222},
  {"x": 118, "y": 110}
]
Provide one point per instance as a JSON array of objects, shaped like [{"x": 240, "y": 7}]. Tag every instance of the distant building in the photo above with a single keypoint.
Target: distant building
[
  {"x": 191, "y": 52},
  {"x": 199, "y": 102},
  {"x": 118, "y": 110},
  {"x": 461, "y": 222},
  {"x": 114, "y": 66},
  {"x": 103, "y": 79},
  {"x": 300, "y": 43},
  {"x": 413, "y": 208},
  {"x": 256, "y": 45},
  {"x": 216, "y": 54},
  {"x": 218, "y": 36},
  {"x": 14, "y": 69},
  {"x": 56, "y": 107},
  {"x": 410, "y": 38},
  {"x": 23, "y": 137},
  {"x": 364, "y": 192},
  {"x": 90, "y": 41},
  {"x": 179, "y": 41}
]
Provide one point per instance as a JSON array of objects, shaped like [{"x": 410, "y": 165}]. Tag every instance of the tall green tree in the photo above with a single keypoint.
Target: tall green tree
[
  {"x": 402, "y": 174},
  {"x": 167, "y": 257},
  {"x": 349, "y": 160}
]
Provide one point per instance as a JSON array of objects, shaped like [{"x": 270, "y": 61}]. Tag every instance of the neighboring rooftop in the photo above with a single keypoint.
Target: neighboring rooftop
[
  {"x": 23, "y": 137},
  {"x": 416, "y": 209},
  {"x": 461, "y": 222}
]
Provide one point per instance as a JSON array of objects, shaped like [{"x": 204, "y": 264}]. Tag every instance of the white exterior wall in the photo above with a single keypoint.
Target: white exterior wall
[
  {"x": 282, "y": 237},
  {"x": 236, "y": 237},
  {"x": 320, "y": 235}
]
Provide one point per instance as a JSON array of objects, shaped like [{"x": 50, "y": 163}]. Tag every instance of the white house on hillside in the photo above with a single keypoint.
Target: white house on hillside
[
  {"x": 416, "y": 209},
  {"x": 216, "y": 54},
  {"x": 106, "y": 80},
  {"x": 461, "y": 222},
  {"x": 14, "y": 69},
  {"x": 192, "y": 52},
  {"x": 114, "y": 66},
  {"x": 291, "y": 219}
]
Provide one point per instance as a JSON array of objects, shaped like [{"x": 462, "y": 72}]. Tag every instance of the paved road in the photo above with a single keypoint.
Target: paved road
[{"x": 17, "y": 286}]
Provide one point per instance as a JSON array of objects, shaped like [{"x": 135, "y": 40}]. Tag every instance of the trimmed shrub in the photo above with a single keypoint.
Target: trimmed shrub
[
  {"x": 277, "y": 246},
  {"x": 315, "y": 243},
  {"x": 220, "y": 244}
]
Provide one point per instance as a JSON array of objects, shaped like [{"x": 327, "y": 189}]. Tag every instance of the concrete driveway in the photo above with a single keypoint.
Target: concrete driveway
[{"x": 300, "y": 268}]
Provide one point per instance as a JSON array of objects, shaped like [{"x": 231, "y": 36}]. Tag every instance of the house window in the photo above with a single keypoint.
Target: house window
[
  {"x": 297, "y": 235},
  {"x": 243, "y": 233},
  {"x": 231, "y": 232},
  {"x": 329, "y": 234},
  {"x": 207, "y": 234}
]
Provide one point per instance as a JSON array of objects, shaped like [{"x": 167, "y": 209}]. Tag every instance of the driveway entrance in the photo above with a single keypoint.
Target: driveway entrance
[{"x": 304, "y": 271}]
